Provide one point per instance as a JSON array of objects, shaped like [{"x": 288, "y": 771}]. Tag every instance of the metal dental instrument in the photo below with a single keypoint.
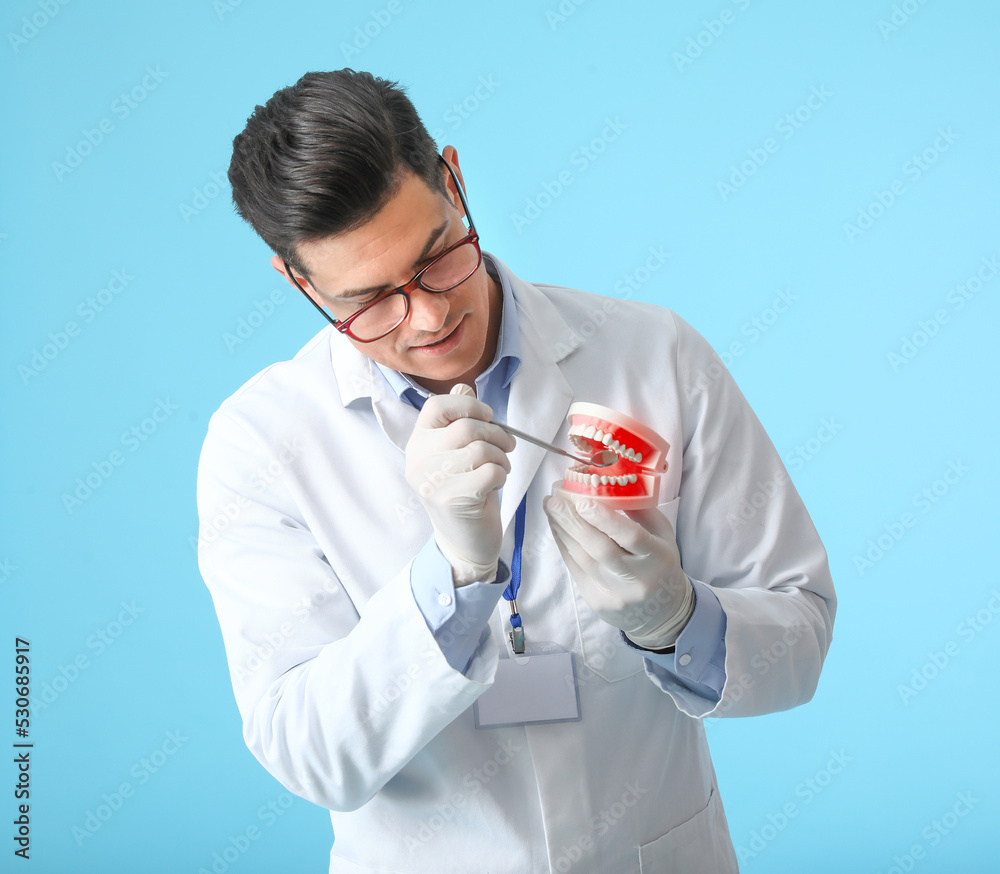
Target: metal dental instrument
[{"x": 601, "y": 458}]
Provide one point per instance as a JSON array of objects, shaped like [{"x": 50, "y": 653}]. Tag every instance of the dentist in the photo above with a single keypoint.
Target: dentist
[{"x": 373, "y": 542}]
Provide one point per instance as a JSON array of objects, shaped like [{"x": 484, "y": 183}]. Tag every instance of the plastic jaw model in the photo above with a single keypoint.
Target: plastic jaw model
[{"x": 632, "y": 482}]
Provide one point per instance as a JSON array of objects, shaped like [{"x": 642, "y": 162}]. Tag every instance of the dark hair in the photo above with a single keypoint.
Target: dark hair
[{"x": 324, "y": 155}]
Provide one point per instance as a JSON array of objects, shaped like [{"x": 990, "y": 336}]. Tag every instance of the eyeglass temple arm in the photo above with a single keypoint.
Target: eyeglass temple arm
[{"x": 322, "y": 311}]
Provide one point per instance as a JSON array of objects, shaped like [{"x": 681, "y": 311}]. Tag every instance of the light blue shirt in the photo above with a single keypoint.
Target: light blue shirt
[{"x": 458, "y": 617}]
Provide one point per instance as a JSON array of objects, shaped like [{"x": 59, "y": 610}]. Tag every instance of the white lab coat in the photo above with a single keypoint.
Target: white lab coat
[{"x": 308, "y": 529}]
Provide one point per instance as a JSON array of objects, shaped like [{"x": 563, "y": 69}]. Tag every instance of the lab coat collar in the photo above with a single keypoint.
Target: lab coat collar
[{"x": 539, "y": 394}]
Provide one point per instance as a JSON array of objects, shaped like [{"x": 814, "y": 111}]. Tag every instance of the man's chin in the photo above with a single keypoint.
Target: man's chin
[
  {"x": 440, "y": 379},
  {"x": 439, "y": 375}
]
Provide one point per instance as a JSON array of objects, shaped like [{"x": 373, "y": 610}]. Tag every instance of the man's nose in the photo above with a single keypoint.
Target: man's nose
[{"x": 428, "y": 310}]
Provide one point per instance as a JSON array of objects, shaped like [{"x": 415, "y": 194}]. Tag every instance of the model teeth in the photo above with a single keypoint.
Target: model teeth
[
  {"x": 579, "y": 475},
  {"x": 598, "y": 435}
]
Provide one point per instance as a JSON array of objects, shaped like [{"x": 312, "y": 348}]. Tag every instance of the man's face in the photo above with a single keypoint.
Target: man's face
[{"x": 448, "y": 337}]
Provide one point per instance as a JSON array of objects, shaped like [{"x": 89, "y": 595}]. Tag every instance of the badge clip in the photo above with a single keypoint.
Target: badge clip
[
  {"x": 517, "y": 631},
  {"x": 517, "y": 640}
]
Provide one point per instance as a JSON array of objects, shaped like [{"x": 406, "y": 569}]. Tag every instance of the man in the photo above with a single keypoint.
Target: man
[{"x": 362, "y": 513}]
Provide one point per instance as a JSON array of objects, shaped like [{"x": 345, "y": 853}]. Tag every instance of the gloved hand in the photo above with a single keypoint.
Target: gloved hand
[
  {"x": 626, "y": 567},
  {"x": 456, "y": 461}
]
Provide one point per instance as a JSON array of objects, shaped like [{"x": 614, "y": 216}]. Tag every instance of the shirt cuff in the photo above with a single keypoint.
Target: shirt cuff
[
  {"x": 456, "y": 617},
  {"x": 698, "y": 662}
]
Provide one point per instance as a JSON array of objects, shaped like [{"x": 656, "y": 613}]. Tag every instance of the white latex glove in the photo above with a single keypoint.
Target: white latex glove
[
  {"x": 626, "y": 567},
  {"x": 456, "y": 461}
]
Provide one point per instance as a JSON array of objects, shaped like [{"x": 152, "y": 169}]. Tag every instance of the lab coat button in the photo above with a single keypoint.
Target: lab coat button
[
  {"x": 444, "y": 599},
  {"x": 684, "y": 660}
]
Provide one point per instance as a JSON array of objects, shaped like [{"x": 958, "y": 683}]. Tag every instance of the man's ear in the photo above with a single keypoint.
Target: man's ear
[
  {"x": 451, "y": 156},
  {"x": 278, "y": 264}
]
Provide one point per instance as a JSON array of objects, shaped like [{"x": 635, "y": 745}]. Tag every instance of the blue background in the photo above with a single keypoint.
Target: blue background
[{"x": 694, "y": 91}]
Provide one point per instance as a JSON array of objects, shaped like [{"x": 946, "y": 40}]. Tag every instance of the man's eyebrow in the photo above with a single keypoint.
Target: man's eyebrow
[{"x": 435, "y": 235}]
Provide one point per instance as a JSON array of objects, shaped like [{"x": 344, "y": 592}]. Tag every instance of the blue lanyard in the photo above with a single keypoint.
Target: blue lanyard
[{"x": 510, "y": 593}]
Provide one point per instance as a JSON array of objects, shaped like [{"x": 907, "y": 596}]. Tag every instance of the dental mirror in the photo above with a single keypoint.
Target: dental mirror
[{"x": 601, "y": 458}]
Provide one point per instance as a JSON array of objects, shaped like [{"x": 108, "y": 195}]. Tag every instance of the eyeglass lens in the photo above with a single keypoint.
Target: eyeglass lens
[{"x": 380, "y": 318}]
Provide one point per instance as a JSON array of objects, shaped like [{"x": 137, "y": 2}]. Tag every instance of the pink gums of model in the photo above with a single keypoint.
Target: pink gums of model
[{"x": 632, "y": 482}]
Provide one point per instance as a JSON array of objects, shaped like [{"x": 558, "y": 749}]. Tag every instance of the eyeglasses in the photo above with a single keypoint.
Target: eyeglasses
[{"x": 389, "y": 310}]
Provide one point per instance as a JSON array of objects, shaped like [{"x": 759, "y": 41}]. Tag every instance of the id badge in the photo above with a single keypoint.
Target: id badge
[{"x": 531, "y": 689}]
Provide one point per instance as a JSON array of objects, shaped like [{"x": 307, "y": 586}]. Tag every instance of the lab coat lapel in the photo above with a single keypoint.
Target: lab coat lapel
[{"x": 540, "y": 394}]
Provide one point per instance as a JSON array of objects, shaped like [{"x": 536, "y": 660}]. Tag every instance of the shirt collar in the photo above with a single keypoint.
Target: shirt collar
[{"x": 505, "y": 363}]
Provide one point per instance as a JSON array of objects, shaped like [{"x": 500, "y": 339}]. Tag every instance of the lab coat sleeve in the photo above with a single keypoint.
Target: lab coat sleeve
[
  {"x": 696, "y": 667},
  {"x": 743, "y": 530},
  {"x": 333, "y": 703},
  {"x": 456, "y": 617}
]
